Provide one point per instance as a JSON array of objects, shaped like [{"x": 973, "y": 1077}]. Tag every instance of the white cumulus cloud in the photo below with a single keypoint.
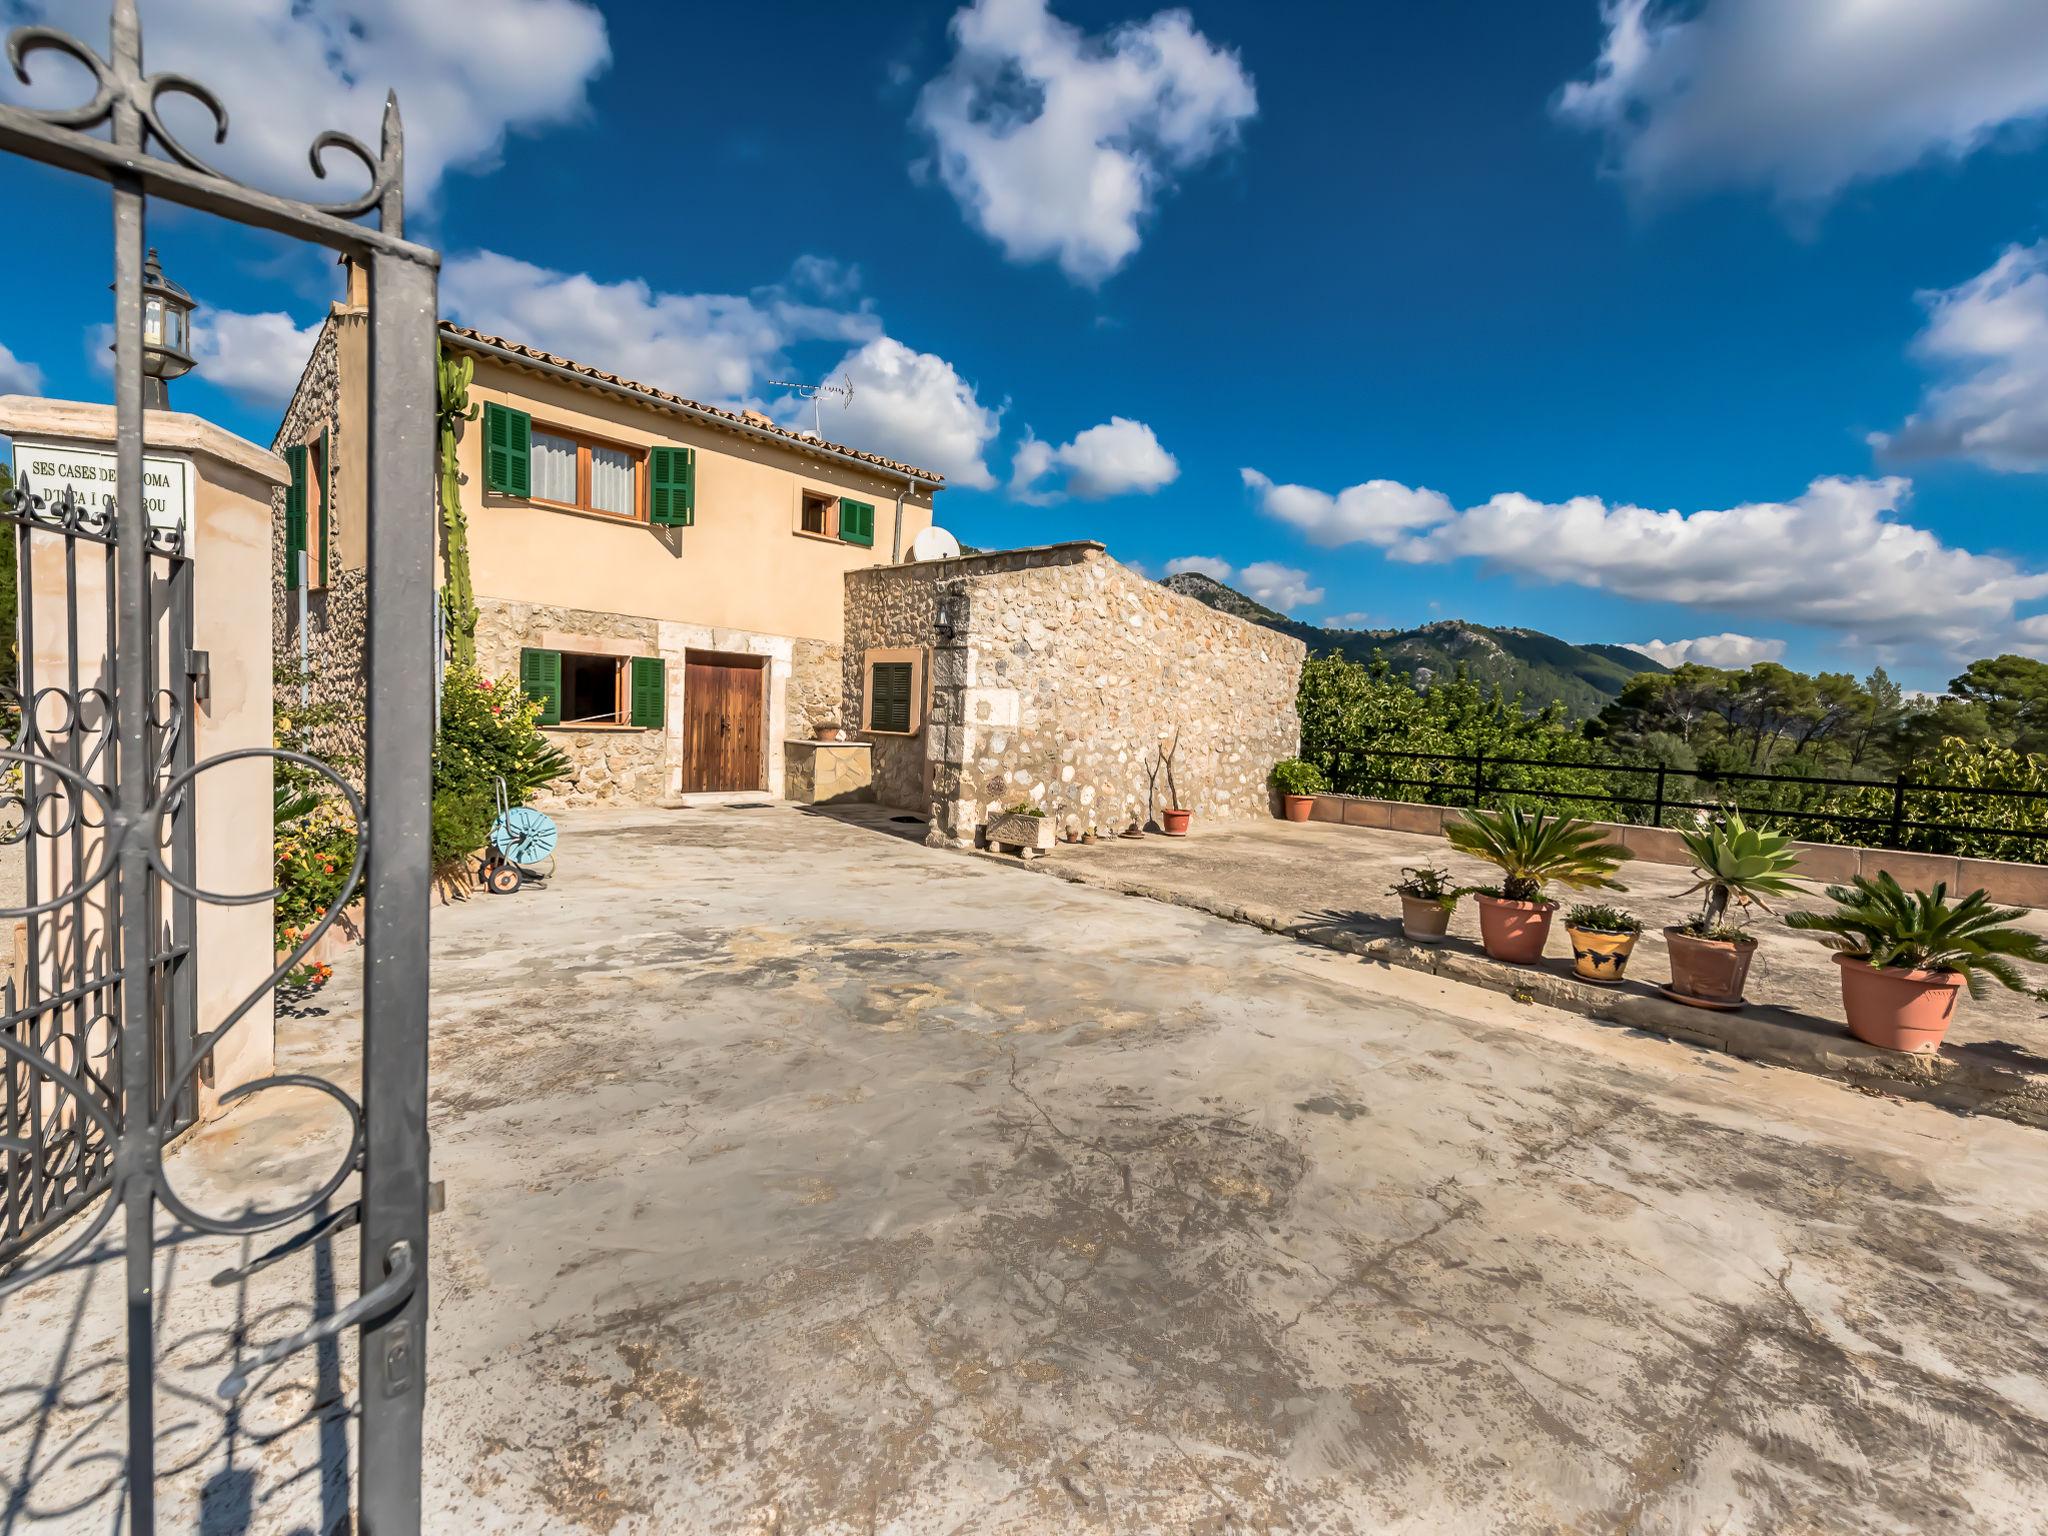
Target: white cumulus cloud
[
  {"x": 1377, "y": 512},
  {"x": 709, "y": 346},
  {"x": 726, "y": 348},
  {"x": 1118, "y": 458},
  {"x": 1839, "y": 557},
  {"x": 1805, "y": 97},
  {"x": 1731, "y": 651},
  {"x": 466, "y": 76},
  {"x": 18, "y": 377},
  {"x": 1987, "y": 341},
  {"x": 1278, "y": 586},
  {"x": 258, "y": 357},
  {"x": 1058, "y": 145},
  {"x": 908, "y": 405},
  {"x": 1266, "y": 581}
]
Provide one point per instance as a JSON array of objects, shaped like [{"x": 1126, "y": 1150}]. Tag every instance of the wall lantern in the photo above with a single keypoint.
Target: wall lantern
[
  {"x": 947, "y": 623},
  {"x": 166, "y": 334}
]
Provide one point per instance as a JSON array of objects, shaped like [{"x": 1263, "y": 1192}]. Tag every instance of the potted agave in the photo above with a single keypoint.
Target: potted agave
[
  {"x": 1602, "y": 940},
  {"x": 1737, "y": 866},
  {"x": 1299, "y": 783},
  {"x": 1427, "y": 900},
  {"x": 1532, "y": 851},
  {"x": 1905, "y": 955}
]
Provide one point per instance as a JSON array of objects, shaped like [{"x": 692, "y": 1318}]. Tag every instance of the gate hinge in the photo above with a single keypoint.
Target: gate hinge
[{"x": 199, "y": 667}]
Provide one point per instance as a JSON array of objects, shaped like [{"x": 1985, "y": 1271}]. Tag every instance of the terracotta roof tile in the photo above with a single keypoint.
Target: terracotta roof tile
[{"x": 738, "y": 421}]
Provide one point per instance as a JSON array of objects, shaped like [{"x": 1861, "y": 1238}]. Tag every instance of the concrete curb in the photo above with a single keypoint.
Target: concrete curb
[{"x": 1781, "y": 1037}]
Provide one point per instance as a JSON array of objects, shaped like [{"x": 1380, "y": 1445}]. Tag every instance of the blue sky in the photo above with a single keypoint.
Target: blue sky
[{"x": 1722, "y": 324}]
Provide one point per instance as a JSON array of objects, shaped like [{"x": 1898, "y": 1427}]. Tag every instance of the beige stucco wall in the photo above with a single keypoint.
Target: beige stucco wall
[
  {"x": 1065, "y": 679},
  {"x": 229, "y": 541},
  {"x": 742, "y": 566}
]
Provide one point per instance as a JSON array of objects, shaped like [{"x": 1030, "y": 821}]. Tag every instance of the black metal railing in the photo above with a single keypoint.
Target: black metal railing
[{"x": 1880, "y": 812}]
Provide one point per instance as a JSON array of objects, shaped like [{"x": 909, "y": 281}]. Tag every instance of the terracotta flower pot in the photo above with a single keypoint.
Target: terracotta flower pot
[
  {"x": 1598, "y": 956},
  {"x": 1712, "y": 970},
  {"x": 1514, "y": 931},
  {"x": 1298, "y": 806},
  {"x": 1899, "y": 1010},
  {"x": 1174, "y": 823},
  {"x": 1424, "y": 921}
]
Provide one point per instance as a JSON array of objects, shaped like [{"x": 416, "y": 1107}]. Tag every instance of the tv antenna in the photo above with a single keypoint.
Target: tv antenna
[{"x": 815, "y": 393}]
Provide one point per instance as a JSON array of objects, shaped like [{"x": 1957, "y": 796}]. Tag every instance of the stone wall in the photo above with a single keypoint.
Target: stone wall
[
  {"x": 608, "y": 764},
  {"x": 816, "y": 688},
  {"x": 890, "y": 605},
  {"x": 1067, "y": 681},
  {"x": 336, "y": 615}
]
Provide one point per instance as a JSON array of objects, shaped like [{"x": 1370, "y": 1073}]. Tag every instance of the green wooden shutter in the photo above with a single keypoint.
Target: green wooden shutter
[
  {"x": 326, "y": 499},
  {"x": 294, "y": 514},
  {"x": 889, "y": 709},
  {"x": 540, "y": 674},
  {"x": 650, "y": 692},
  {"x": 672, "y": 487},
  {"x": 856, "y": 521},
  {"x": 508, "y": 451}
]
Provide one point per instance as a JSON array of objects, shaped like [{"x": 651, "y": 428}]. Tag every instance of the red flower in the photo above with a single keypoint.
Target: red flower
[{"x": 485, "y": 684}]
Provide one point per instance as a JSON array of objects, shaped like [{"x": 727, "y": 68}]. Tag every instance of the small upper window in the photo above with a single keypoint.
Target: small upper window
[
  {"x": 611, "y": 481},
  {"x": 889, "y": 696},
  {"x": 818, "y": 512},
  {"x": 554, "y": 468}
]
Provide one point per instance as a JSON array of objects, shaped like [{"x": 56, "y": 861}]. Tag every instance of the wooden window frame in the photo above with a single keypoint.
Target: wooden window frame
[
  {"x": 831, "y": 529},
  {"x": 584, "y": 442},
  {"x": 919, "y": 677},
  {"x": 316, "y": 513},
  {"x": 622, "y": 690}
]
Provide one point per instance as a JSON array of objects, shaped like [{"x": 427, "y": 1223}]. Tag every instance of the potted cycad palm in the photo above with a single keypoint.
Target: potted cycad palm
[
  {"x": 1427, "y": 900},
  {"x": 1532, "y": 851},
  {"x": 1299, "y": 783},
  {"x": 1737, "y": 866},
  {"x": 1905, "y": 955}
]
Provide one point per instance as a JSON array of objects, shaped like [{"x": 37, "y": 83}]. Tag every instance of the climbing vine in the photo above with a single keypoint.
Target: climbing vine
[{"x": 458, "y": 597}]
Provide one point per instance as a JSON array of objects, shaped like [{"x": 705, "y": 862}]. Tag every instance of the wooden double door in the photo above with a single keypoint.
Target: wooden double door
[{"x": 724, "y": 722}]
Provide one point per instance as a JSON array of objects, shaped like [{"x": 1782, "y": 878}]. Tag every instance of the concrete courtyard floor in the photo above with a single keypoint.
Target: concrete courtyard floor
[{"x": 803, "y": 1179}]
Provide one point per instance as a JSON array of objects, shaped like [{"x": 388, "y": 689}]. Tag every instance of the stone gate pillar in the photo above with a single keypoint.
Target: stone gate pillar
[{"x": 221, "y": 486}]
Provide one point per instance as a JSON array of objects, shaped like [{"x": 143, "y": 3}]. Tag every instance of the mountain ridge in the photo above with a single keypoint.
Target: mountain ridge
[{"x": 1538, "y": 666}]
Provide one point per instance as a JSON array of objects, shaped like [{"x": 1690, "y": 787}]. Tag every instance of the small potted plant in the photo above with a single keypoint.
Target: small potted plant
[
  {"x": 1737, "y": 865},
  {"x": 1532, "y": 850},
  {"x": 1602, "y": 939},
  {"x": 1427, "y": 901},
  {"x": 1299, "y": 783},
  {"x": 831, "y": 730},
  {"x": 1905, "y": 955},
  {"x": 1173, "y": 816}
]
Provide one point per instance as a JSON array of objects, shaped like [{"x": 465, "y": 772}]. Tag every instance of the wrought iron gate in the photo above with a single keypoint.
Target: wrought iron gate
[{"x": 100, "y": 1042}]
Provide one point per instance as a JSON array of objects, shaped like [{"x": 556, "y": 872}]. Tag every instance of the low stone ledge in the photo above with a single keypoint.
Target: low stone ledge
[
  {"x": 2006, "y": 882},
  {"x": 1956, "y": 1078}
]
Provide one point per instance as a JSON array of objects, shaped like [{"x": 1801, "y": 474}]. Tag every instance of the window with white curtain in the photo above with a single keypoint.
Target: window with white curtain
[
  {"x": 554, "y": 468},
  {"x": 611, "y": 481}
]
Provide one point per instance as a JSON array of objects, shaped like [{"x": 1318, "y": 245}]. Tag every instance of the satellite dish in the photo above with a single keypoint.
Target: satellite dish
[{"x": 934, "y": 544}]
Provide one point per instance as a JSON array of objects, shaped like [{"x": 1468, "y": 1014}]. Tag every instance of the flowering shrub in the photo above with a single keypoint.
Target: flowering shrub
[
  {"x": 488, "y": 733},
  {"x": 314, "y": 853}
]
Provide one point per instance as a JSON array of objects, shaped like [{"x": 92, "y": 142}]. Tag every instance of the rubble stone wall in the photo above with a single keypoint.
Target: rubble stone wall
[{"x": 1075, "y": 685}]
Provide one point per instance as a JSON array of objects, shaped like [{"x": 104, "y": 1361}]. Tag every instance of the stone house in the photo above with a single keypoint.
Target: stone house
[
  {"x": 668, "y": 577},
  {"x": 1060, "y": 679},
  {"x": 695, "y": 593}
]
